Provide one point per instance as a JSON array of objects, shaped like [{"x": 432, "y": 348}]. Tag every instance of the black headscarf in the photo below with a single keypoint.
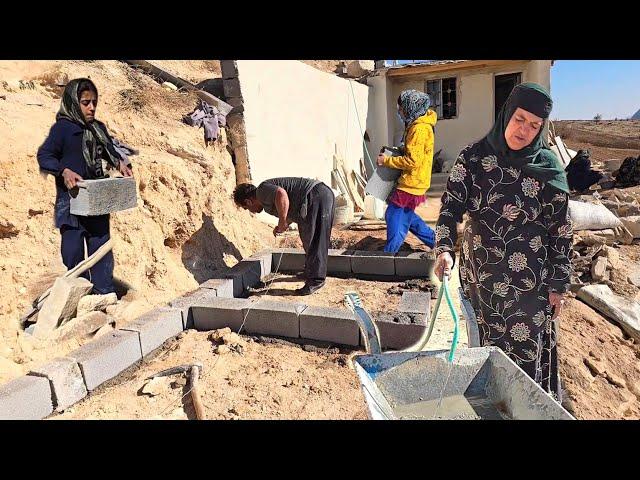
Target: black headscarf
[
  {"x": 94, "y": 133},
  {"x": 536, "y": 159}
]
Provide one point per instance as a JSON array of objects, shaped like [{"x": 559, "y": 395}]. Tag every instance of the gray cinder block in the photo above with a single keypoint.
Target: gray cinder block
[
  {"x": 274, "y": 318},
  {"x": 185, "y": 302},
  {"x": 220, "y": 313},
  {"x": 414, "y": 265},
  {"x": 25, "y": 398},
  {"x": 65, "y": 380},
  {"x": 106, "y": 357},
  {"x": 373, "y": 263},
  {"x": 99, "y": 197},
  {"x": 222, "y": 287},
  {"x": 339, "y": 261},
  {"x": 288, "y": 260},
  {"x": 335, "y": 325},
  {"x": 156, "y": 327},
  {"x": 415, "y": 302}
]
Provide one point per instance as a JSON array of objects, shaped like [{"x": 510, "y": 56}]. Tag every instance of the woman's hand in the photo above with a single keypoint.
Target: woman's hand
[
  {"x": 71, "y": 178},
  {"x": 380, "y": 159},
  {"x": 124, "y": 169},
  {"x": 444, "y": 264},
  {"x": 556, "y": 300}
]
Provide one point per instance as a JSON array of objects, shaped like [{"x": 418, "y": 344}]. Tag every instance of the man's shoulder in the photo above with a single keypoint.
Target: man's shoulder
[{"x": 266, "y": 190}]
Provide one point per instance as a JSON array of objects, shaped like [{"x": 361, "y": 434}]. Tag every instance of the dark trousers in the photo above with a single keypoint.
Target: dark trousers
[
  {"x": 95, "y": 232},
  {"x": 315, "y": 233}
]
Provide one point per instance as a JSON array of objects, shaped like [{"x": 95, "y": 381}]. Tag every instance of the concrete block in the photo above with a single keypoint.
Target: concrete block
[
  {"x": 251, "y": 269},
  {"x": 241, "y": 154},
  {"x": 399, "y": 330},
  {"x": 414, "y": 265},
  {"x": 244, "y": 275},
  {"x": 288, "y": 260},
  {"x": 25, "y": 398},
  {"x": 229, "y": 68},
  {"x": 108, "y": 195},
  {"x": 219, "y": 313},
  {"x": 156, "y": 327},
  {"x": 266, "y": 260},
  {"x": 237, "y": 104},
  {"x": 339, "y": 261},
  {"x": 106, "y": 357},
  {"x": 61, "y": 304},
  {"x": 373, "y": 263},
  {"x": 415, "y": 302},
  {"x": 335, "y": 325},
  {"x": 184, "y": 303},
  {"x": 65, "y": 380},
  {"x": 222, "y": 287},
  {"x": 235, "y": 126},
  {"x": 274, "y": 318},
  {"x": 231, "y": 87},
  {"x": 236, "y": 275}
]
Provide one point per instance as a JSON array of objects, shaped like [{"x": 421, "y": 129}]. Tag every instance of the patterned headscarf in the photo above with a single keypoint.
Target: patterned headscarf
[
  {"x": 94, "y": 137},
  {"x": 414, "y": 104}
]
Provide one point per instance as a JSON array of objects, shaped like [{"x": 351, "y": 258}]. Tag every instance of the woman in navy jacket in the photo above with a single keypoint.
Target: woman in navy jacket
[{"x": 74, "y": 150}]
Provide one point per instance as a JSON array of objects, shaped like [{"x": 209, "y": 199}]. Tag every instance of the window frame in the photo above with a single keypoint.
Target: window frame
[{"x": 437, "y": 104}]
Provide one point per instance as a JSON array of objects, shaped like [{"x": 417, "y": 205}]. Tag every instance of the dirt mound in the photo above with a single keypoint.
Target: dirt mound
[
  {"x": 185, "y": 227},
  {"x": 259, "y": 381},
  {"x": 599, "y": 366},
  {"x": 621, "y": 134},
  {"x": 194, "y": 71}
]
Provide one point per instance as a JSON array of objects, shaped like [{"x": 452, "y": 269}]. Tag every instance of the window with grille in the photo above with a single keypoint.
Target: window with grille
[{"x": 444, "y": 97}]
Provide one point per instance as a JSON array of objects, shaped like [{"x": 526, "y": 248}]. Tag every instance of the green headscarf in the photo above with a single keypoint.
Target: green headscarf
[
  {"x": 94, "y": 133},
  {"x": 535, "y": 160}
]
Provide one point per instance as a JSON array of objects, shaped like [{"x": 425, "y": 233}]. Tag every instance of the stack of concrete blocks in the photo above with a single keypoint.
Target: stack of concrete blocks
[
  {"x": 360, "y": 264},
  {"x": 244, "y": 275},
  {"x": 65, "y": 381},
  {"x": 235, "y": 119},
  {"x": 62, "y": 382},
  {"x": 100, "y": 197},
  {"x": 405, "y": 329}
]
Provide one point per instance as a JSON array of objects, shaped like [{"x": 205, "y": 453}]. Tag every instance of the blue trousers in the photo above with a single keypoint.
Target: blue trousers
[
  {"x": 95, "y": 231},
  {"x": 401, "y": 221}
]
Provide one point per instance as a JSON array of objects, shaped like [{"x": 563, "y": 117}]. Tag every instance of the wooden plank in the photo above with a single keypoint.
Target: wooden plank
[
  {"x": 352, "y": 190},
  {"x": 357, "y": 199},
  {"x": 340, "y": 183},
  {"x": 565, "y": 157},
  {"x": 223, "y": 107},
  {"x": 467, "y": 64}
]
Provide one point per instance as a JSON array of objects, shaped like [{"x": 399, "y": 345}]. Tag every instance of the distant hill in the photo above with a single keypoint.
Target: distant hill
[{"x": 636, "y": 116}]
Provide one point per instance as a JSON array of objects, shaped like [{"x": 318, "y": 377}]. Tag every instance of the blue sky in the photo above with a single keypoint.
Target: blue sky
[{"x": 583, "y": 88}]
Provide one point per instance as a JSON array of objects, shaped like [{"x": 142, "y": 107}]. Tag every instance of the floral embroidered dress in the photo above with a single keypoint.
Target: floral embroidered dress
[{"x": 515, "y": 250}]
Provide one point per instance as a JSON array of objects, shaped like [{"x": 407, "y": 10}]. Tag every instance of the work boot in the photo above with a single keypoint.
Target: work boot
[{"x": 308, "y": 288}]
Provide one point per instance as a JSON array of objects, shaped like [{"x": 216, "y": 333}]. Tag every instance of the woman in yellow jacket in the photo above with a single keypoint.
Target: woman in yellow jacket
[{"x": 415, "y": 180}]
